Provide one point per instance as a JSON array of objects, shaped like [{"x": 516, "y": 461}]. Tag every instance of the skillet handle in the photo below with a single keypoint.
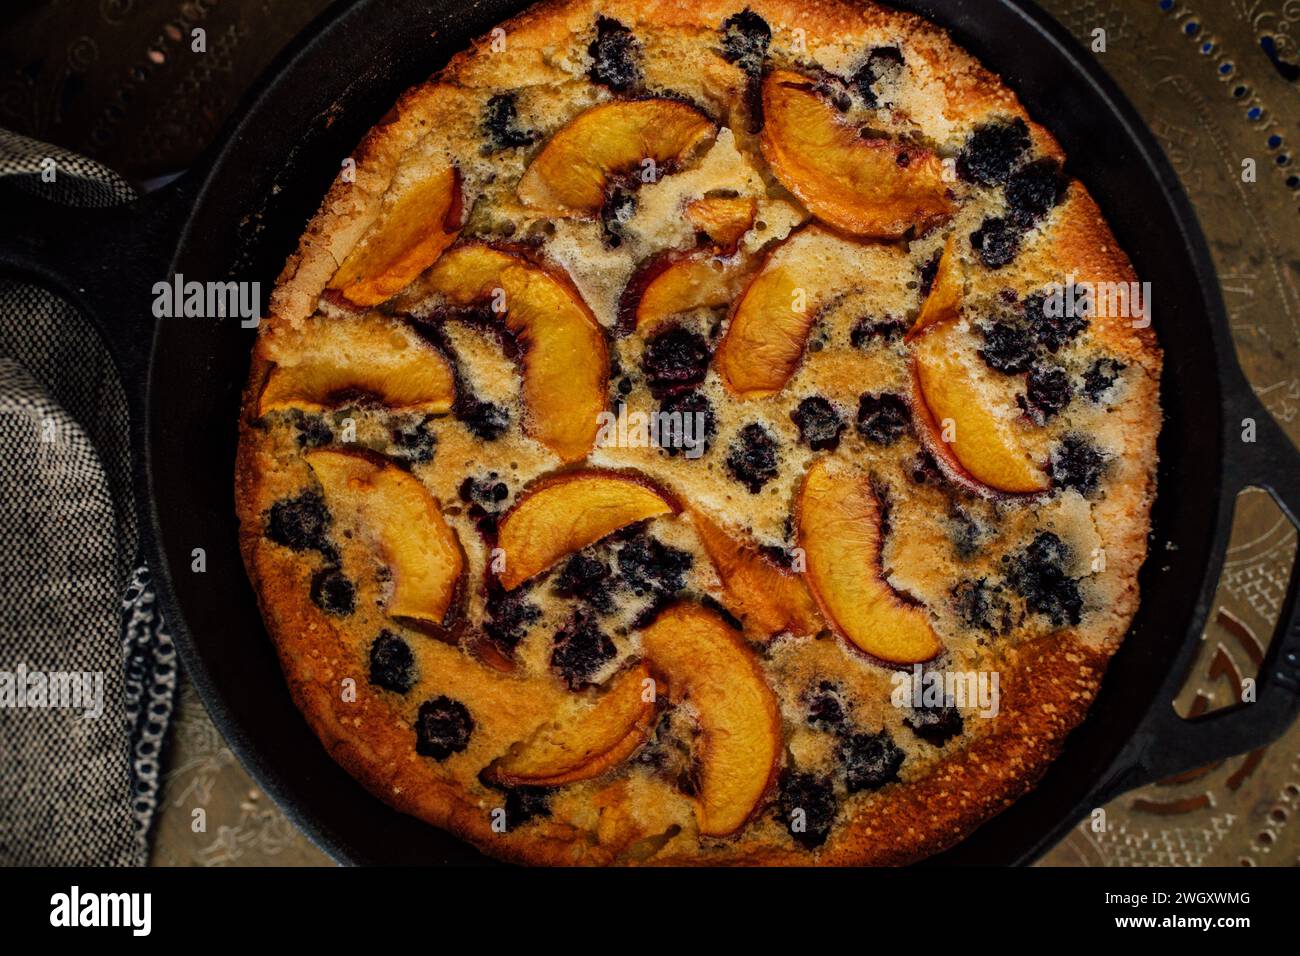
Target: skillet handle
[
  {"x": 1168, "y": 744},
  {"x": 102, "y": 261}
]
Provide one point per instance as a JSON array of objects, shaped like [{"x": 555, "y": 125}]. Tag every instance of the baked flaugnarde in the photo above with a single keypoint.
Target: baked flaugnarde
[{"x": 676, "y": 409}]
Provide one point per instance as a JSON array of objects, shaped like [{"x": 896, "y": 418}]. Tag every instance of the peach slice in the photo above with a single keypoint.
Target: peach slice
[
  {"x": 869, "y": 187},
  {"x": 768, "y": 598},
  {"x": 587, "y": 740},
  {"x": 566, "y": 512},
  {"x": 414, "y": 540},
  {"x": 770, "y": 321},
  {"x": 948, "y": 402},
  {"x": 943, "y": 304},
  {"x": 839, "y": 530},
  {"x": 411, "y": 232},
  {"x": 568, "y": 177},
  {"x": 565, "y": 357},
  {"x": 334, "y": 359},
  {"x": 673, "y": 283},
  {"x": 724, "y": 219},
  {"x": 705, "y": 662}
]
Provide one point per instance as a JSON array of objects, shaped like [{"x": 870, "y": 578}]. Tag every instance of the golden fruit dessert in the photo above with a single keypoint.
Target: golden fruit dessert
[{"x": 701, "y": 434}]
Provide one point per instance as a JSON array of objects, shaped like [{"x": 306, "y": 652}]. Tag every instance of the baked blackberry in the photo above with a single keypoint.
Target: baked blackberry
[
  {"x": 488, "y": 492},
  {"x": 883, "y": 418},
  {"x": 615, "y": 213},
  {"x": 997, "y": 241},
  {"x": 1038, "y": 575},
  {"x": 819, "y": 423},
  {"x": 868, "y": 331},
  {"x": 992, "y": 152},
  {"x": 614, "y": 54},
  {"x": 752, "y": 459},
  {"x": 313, "y": 430},
  {"x": 881, "y": 68},
  {"x": 870, "y": 760},
  {"x": 980, "y": 606},
  {"x": 485, "y": 420},
  {"x": 648, "y": 566},
  {"x": 826, "y": 708},
  {"x": 581, "y": 649},
  {"x": 1099, "y": 377},
  {"x": 392, "y": 664},
  {"x": 675, "y": 360},
  {"x": 1010, "y": 349},
  {"x": 333, "y": 593},
  {"x": 745, "y": 39},
  {"x": 588, "y": 578},
  {"x": 1034, "y": 190},
  {"x": 935, "y": 725},
  {"x": 1076, "y": 463},
  {"x": 683, "y": 416},
  {"x": 501, "y": 123},
  {"x": 442, "y": 727},
  {"x": 300, "y": 523},
  {"x": 1047, "y": 392},
  {"x": 510, "y": 615},
  {"x": 806, "y": 807},
  {"x": 414, "y": 441},
  {"x": 1051, "y": 323}
]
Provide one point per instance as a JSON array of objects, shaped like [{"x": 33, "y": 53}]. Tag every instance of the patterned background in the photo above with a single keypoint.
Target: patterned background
[{"x": 1218, "y": 81}]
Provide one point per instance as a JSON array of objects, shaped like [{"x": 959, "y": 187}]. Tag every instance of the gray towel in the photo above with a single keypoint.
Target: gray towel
[{"x": 87, "y": 668}]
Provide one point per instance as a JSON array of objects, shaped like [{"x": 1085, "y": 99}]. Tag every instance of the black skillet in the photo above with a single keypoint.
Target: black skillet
[{"x": 240, "y": 211}]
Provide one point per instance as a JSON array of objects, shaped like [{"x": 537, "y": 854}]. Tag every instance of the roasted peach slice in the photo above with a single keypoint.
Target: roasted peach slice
[
  {"x": 567, "y": 512},
  {"x": 413, "y": 229},
  {"x": 839, "y": 530},
  {"x": 706, "y": 663},
  {"x": 568, "y": 177},
  {"x": 961, "y": 426},
  {"x": 943, "y": 304},
  {"x": 724, "y": 219},
  {"x": 586, "y": 739},
  {"x": 872, "y": 187},
  {"x": 674, "y": 282},
  {"x": 333, "y": 360},
  {"x": 771, "y": 319},
  {"x": 414, "y": 539},
  {"x": 565, "y": 357},
  {"x": 769, "y": 599}
]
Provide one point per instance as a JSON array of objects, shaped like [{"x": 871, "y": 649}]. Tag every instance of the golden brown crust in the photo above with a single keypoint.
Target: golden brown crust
[{"x": 1047, "y": 683}]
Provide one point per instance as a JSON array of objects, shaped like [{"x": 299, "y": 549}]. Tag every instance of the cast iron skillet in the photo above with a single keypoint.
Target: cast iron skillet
[{"x": 240, "y": 211}]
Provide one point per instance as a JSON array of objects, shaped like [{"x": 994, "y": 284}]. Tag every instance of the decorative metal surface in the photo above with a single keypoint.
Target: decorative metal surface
[{"x": 1217, "y": 80}]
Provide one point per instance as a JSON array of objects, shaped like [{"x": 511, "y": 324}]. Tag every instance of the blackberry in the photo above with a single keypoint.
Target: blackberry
[
  {"x": 301, "y": 523},
  {"x": 487, "y": 492},
  {"x": 615, "y": 213},
  {"x": 935, "y": 724},
  {"x": 826, "y": 708},
  {"x": 649, "y": 566},
  {"x": 1076, "y": 463},
  {"x": 883, "y": 64},
  {"x": 675, "y": 360},
  {"x": 745, "y": 39},
  {"x": 926, "y": 275},
  {"x": 313, "y": 430},
  {"x": 1051, "y": 330},
  {"x": 922, "y": 470},
  {"x": 806, "y": 807},
  {"x": 587, "y": 578},
  {"x": 392, "y": 664},
  {"x": 981, "y": 607},
  {"x": 752, "y": 458},
  {"x": 1034, "y": 190},
  {"x": 819, "y": 423},
  {"x": 501, "y": 123},
  {"x": 997, "y": 241},
  {"x": 882, "y": 418},
  {"x": 413, "y": 441},
  {"x": 967, "y": 534},
  {"x": 866, "y": 331},
  {"x": 581, "y": 649},
  {"x": 510, "y": 614},
  {"x": 614, "y": 55},
  {"x": 870, "y": 761},
  {"x": 1100, "y": 376},
  {"x": 526, "y": 803},
  {"x": 1047, "y": 392},
  {"x": 675, "y": 426},
  {"x": 992, "y": 152},
  {"x": 1038, "y": 575},
  {"x": 1008, "y": 348},
  {"x": 333, "y": 593},
  {"x": 484, "y": 419},
  {"x": 442, "y": 727}
]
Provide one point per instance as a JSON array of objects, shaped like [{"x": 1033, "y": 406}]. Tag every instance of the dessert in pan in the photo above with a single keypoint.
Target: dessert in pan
[{"x": 677, "y": 439}]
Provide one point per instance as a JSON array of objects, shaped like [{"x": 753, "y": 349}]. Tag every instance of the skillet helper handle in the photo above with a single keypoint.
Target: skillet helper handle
[
  {"x": 1176, "y": 744},
  {"x": 103, "y": 261}
]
